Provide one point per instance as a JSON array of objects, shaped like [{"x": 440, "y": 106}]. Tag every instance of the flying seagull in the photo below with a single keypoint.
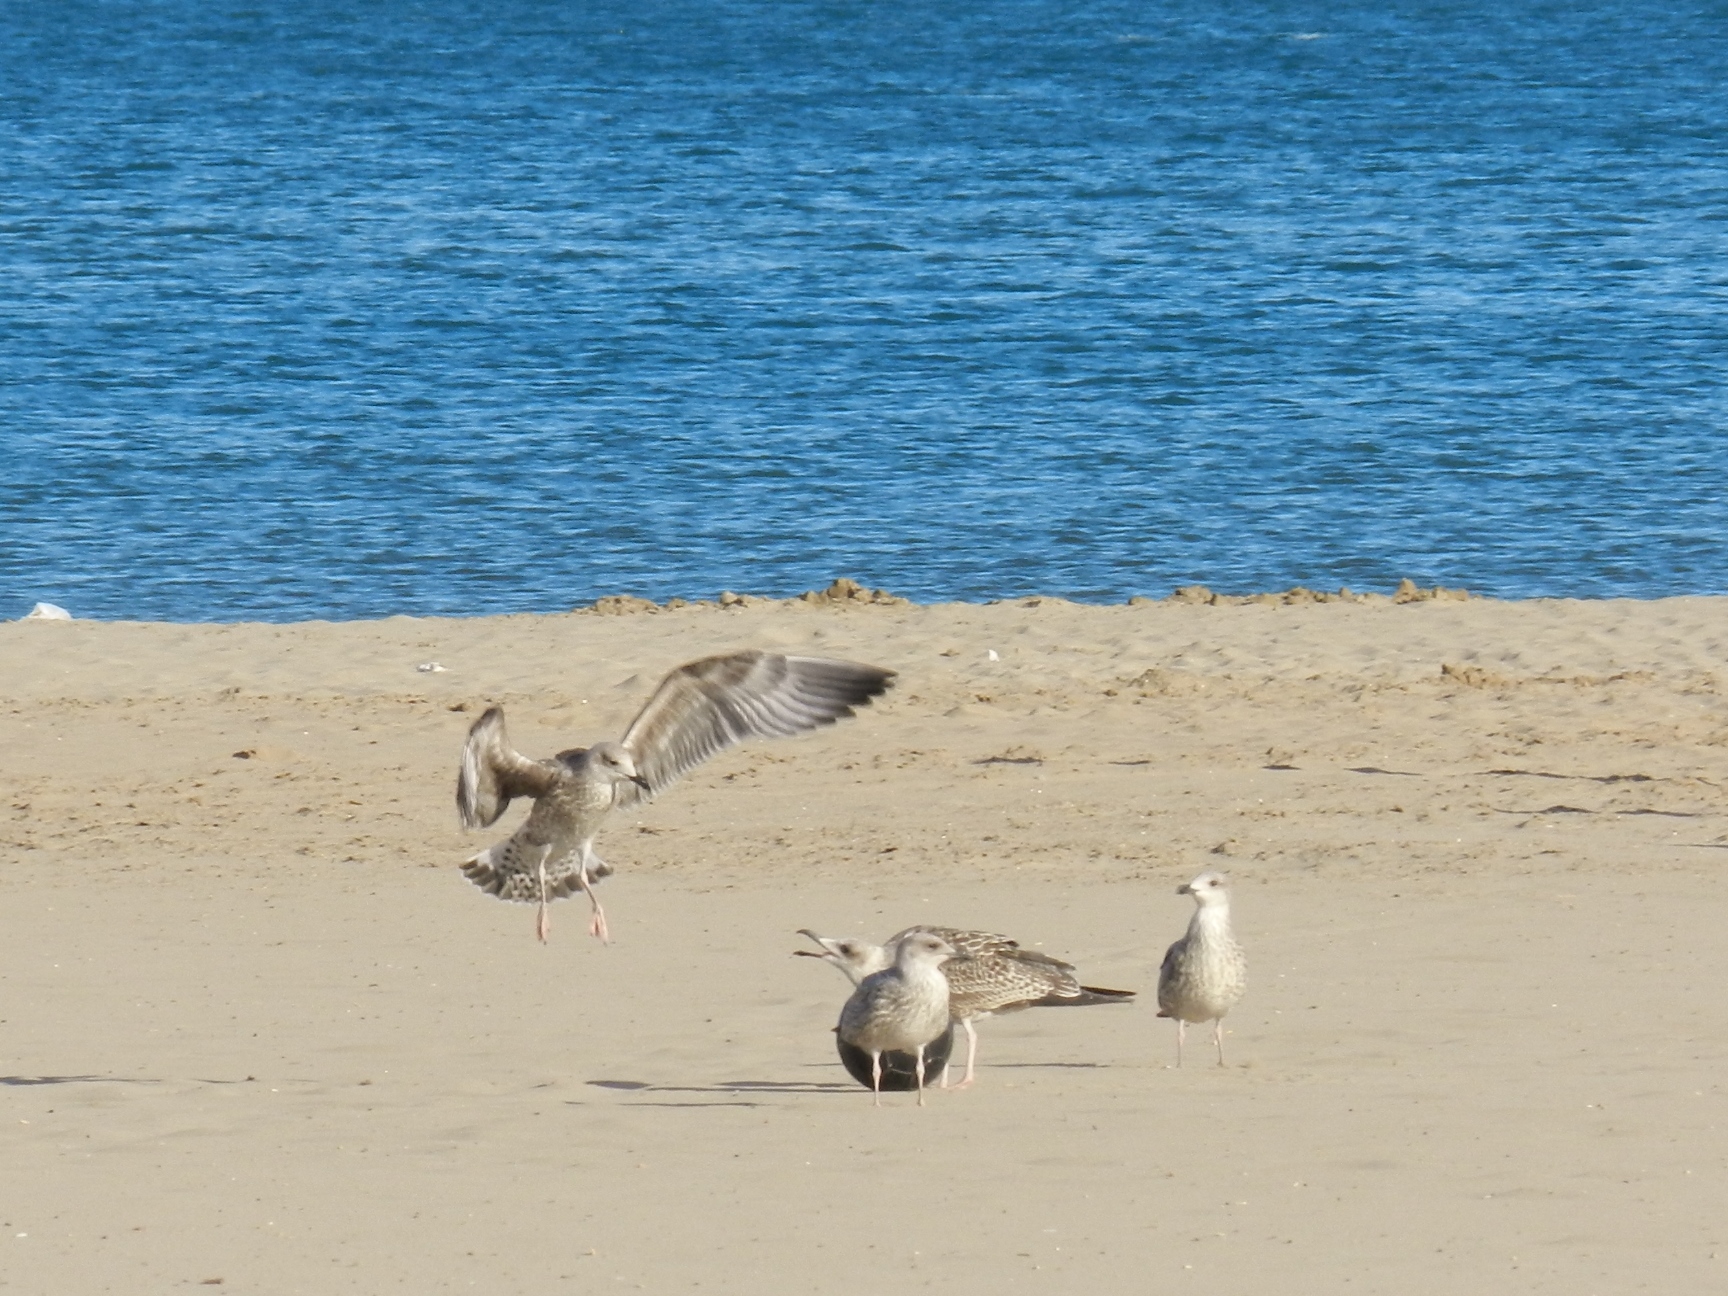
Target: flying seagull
[
  {"x": 988, "y": 974},
  {"x": 1204, "y": 973},
  {"x": 699, "y": 710}
]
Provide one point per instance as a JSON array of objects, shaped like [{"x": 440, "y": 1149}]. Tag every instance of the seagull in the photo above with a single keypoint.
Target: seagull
[
  {"x": 1204, "y": 973},
  {"x": 901, "y": 1008},
  {"x": 699, "y": 710},
  {"x": 988, "y": 974}
]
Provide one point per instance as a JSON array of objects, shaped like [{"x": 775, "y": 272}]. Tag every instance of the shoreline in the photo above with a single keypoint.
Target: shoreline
[{"x": 868, "y": 599}]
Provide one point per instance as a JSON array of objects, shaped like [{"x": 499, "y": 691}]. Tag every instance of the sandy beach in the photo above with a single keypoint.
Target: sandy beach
[{"x": 258, "y": 1033}]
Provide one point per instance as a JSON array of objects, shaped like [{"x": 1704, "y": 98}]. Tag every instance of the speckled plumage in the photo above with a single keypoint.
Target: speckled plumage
[
  {"x": 699, "y": 709},
  {"x": 1205, "y": 973},
  {"x": 988, "y": 974}
]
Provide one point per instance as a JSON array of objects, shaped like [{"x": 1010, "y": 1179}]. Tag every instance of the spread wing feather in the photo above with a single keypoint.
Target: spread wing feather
[
  {"x": 493, "y": 772},
  {"x": 706, "y": 706}
]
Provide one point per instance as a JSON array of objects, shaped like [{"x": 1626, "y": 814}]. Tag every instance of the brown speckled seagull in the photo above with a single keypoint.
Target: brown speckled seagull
[
  {"x": 699, "y": 710},
  {"x": 988, "y": 974}
]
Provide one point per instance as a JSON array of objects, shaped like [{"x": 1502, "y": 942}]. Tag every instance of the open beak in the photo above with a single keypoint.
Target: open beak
[{"x": 827, "y": 951}]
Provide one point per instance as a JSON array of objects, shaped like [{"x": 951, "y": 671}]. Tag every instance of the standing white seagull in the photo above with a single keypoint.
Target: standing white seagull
[
  {"x": 699, "y": 710},
  {"x": 1204, "y": 973},
  {"x": 900, "y": 1009}
]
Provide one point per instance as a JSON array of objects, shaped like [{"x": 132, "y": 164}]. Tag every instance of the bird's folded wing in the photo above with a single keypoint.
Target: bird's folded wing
[
  {"x": 979, "y": 944},
  {"x": 964, "y": 941},
  {"x": 493, "y": 772},
  {"x": 706, "y": 706},
  {"x": 994, "y": 983}
]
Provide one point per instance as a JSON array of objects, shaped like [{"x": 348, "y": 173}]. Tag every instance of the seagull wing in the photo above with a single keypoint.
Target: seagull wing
[
  {"x": 998, "y": 983},
  {"x": 493, "y": 772},
  {"x": 965, "y": 942},
  {"x": 979, "y": 944},
  {"x": 706, "y": 706},
  {"x": 1169, "y": 972}
]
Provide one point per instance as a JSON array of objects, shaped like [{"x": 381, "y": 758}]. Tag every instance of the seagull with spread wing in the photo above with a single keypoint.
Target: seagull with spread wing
[{"x": 699, "y": 710}]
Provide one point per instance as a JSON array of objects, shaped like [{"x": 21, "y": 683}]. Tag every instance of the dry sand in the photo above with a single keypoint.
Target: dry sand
[{"x": 255, "y": 1027}]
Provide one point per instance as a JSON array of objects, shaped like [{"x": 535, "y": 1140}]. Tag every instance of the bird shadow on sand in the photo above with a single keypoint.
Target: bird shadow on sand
[
  {"x": 1047, "y": 1066},
  {"x": 728, "y": 1089},
  {"x": 19, "y": 1080}
]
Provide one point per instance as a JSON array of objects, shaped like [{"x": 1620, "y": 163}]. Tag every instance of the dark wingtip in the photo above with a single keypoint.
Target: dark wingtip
[
  {"x": 875, "y": 681},
  {"x": 1106, "y": 995},
  {"x": 1088, "y": 996}
]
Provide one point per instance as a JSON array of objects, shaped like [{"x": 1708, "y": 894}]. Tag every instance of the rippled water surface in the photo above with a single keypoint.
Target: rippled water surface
[{"x": 323, "y": 310}]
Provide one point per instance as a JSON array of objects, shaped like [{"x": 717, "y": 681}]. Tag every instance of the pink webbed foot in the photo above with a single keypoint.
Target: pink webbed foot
[{"x": 596, "y": 923}]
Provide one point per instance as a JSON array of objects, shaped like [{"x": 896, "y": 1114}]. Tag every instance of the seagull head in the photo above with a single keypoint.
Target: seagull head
[
  {"x": 923, "y": 948},
  {"x": 1207, "y": 889},
  {"x": 856, "y": 958},
  {"x": 615, "y": 762}
]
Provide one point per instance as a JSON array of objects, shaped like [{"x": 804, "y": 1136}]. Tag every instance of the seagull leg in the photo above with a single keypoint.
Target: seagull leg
[
  {"x": 920, "y": 1075},
  {"x": 876, "y": 1076},
  {"x": 1218, "y": 1037},
  {"x": 597, "y": 923},
  {"x": 1181, "y": 1030},
  {"x": 971, "y": 1053},
  {"x": 543, "y": 919}
]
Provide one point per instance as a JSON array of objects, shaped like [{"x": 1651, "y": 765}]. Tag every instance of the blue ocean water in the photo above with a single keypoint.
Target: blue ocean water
[{"x": 345, "y": 310}]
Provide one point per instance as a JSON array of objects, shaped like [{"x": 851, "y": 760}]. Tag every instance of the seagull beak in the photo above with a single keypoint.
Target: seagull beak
[
  {"x": 640, "y": 782},
  {"x": 827, "y": 952},
  {"x": 1184, "y": 889}
]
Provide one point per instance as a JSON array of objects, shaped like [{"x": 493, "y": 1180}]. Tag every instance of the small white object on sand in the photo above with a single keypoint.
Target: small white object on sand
[
  {"x": 47, "y": 612},
  {"x": 1205, "y": 972}
]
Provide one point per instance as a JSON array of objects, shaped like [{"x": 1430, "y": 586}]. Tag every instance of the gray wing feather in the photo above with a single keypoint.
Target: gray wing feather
[
  {"x": 493, "y": 773},
  {"x": 1169, "y": 972},
  {"x": 706, "y": 706}
]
